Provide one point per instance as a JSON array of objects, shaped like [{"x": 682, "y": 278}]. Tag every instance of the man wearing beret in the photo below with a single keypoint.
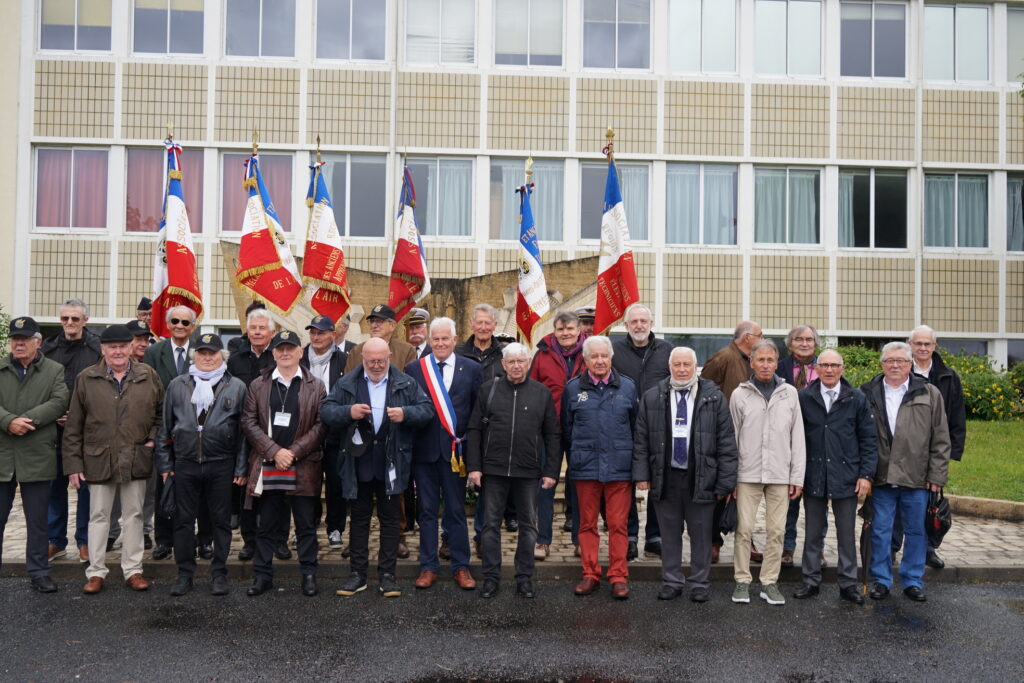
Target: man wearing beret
[
  {"x": 33, "y": 396},
  {"x": 108, "y": 441}
]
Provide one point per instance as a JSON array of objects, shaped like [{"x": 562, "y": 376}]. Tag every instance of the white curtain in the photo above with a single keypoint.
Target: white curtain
[
  {"x": 846, "y": 237},
  {"x": 719, "y": 205},
  {"x": 1014, "y": 215},
  {"x": 455, "y": 194},
  {"x": 939, "y": 222},
  {"x": 633, "y": 183},
  {"x": 972, "y": 211},
  {"x": 458, "y": 24},
  {"x": 682, "y": 203},
  {"x": 803, "y": 207},
  {"x": 511, "y": 178},
  {"x": 770, "y": 206},
  {"x": 546, "y": 200}
]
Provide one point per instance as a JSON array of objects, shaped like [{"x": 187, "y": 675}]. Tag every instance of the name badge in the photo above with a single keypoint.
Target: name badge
[
  {"x": 680, "y": 430},
  {"x": 282, "y": 419},
  {"x": 392, "y": 475}
]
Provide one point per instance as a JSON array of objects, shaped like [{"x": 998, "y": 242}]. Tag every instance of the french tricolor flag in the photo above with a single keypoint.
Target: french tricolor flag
[
  {"x": 616, "y": 274},
  {"x": 532, "y": 302}
]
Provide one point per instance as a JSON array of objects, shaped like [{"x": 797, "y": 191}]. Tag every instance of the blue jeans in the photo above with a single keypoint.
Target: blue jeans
[
  {"x": 57, "y": 513},
  {"x": 897, "y": 534},
  {"x": 911, "y": 504}
]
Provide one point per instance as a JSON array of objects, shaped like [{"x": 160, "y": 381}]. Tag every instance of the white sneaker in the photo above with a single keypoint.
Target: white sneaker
[{"x": 334, "y": 539}]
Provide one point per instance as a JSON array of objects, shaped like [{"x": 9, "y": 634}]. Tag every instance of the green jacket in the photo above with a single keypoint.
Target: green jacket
[{"x": 43, "y": 397}]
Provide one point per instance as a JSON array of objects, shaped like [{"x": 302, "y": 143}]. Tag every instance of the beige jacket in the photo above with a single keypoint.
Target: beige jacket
[{"x": 769, "y": 435}]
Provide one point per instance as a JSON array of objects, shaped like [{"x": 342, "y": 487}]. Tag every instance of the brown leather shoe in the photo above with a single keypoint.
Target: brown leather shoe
[
  {"x": 93, "y": 586},
  {"x": 620, "y": 591},
  {"x": 787, "y": 558},
  {"x": 465, "y": 579},
  {"x": 587, "y": 586},
  {"x": 541, "y": 551},
  {"x": 83, "y": 554},
  {"x": 426, "y": 579},
  {"x": 403, "y": 550},
  {"x": 137, "y": 582},
  {"x": 715, "y": 551},
  {"x": 53, "y": 552},
  {"x": 754, "y": 555}
]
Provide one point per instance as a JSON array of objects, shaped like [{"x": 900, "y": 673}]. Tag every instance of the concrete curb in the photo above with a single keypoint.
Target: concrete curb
[{"x": 987, "y": 508}]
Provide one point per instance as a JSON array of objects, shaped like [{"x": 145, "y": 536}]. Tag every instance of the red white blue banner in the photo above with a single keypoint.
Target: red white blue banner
[
  {"x": 323, "y": 263},
  {"x": 532, "y": 303},
  {"x": 410, "y": 279},
  {"x": 616, "y": 273}
]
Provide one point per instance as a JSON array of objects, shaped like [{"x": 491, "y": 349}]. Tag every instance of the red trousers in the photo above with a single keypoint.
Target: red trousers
[{"x": 616, "y": 501}]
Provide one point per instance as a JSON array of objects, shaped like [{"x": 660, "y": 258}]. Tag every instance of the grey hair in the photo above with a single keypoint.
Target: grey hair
[
  {"x": 923, "y": 328},
  {"x": 842, "y": 360},
  {"x": 77, "y": 303},
  {"x": 224, "y": 353},
  {"x": 488, "y": 309},
  {"x": 633, "y": 307},
  {"x": 172, "y": 309},
  {"x": 514, "y": 349},
  {"x": 764, "y": 344},
  {"x": 439, "y": 322},
  {"x": 896, "y": 346},
  {"x": 800, "y": 328},
  {"x": 682, "y": 349},
  {"x": 745, "y": 327},
  {"x": 567, "y": 317},
  {"x": 597, "y": 339},
  {"x": 261, "y": 313}
]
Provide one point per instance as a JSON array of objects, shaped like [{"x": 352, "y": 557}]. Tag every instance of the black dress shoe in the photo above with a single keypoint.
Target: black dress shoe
[
  {"x": 489, "y": 590},
  {"x": 147, "y": 542},
  {"x": 259, "y": 587},
  {"x": 161, "y": 552},
  {"x": 632, "y": 553},
  {"x": 524, "y": 589},
  {"x": 512, "y": 524},
  {"x": 879, "y": 592},
  {"x": 700, "y": 595},
  {"x": 567, "y": 526},
  {"x": 933, "y": 560},
  {"x": 669, "y": 592},
  {"x": 181, "y": 586},
  {"x": 246, "y": 553},
  {"x": 806, "y": 591},
  {"x": 282, "y": 552},
  {"x": 206, "y": 551},
  {"x": 219, "y": 585},
  {"x": 915, "y": 593},
  {"x": 44, "y": 584},
  {"x": 309, "y": 588},
  {"x": 852, "y": 594},
  {"x": 652, "y": 548}
]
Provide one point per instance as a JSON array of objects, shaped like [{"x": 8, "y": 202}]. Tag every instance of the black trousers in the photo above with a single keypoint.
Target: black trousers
[
  {"x": 249, "y": 521},
  {"x": 388, "y": 514},
  {"x": 275, "y": 505},
  {"x": 337, "y": 506},
  {"x": 202, "y": 487},
  {"x": 35, "y": 500},
  {"x": 497, "y": 491}
]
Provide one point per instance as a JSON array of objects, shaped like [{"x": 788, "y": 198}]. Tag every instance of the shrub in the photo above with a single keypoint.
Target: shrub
[{"x": 5, "y": 326}]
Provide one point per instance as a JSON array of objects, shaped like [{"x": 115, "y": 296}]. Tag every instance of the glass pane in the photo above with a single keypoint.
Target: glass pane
[
  {"x": 277, "y": 177},
  {"x": 855, "y": 46},
  {"x": 458, "y": 23},
  {"x": 53, "y": 188},
  {"x": 242, "y": 32},
  {"x": 93, "y": 25},
  {"x": 368, "y": 215},
  {"x": 150, "y": 30},
  {"x": 633, "y": 181},
  {"x": 803, "y": 207},
  {"x": 1014, "y": 214},
  {"x": 332, "y": 29},
  {"x": 278, "y": 28},
  {"x": 971, "y": 44},
  {"x": 720, "y": 204},
  {"x": 939, "y": 201},
  {"x": 592, "y": 181},
  {"x": 423, "y": 30},
  {"x": 891, "y": 210},
  {"x": 455, "y": 197},
  {"x": 634, "y": 43},
  {"x": 511, "y": 42},
  {"x": 1014, "y": 44},
  {"x": 854, "y": 209},
  {"x": 145, "y": 190},
  {"x": 938, "y": 43},
  {"x": 972, "y": 211},
  {"x": 506, "y": 175},
  {"x": 57, "y": 30},
  {"x": 770, "y": 205},
  {"x": 719, "y": 36},
  {"x": 634, "y": 11},
  {"x": 890, "y": 41},
  {"x": 682, "y": 203},
  {"x": 599, "y": 10},
  {"x": 89, "y": 189},
  {"x": 684, "y": 27},
  {"x": 186, "y": 31},
  {"x": 599, "y": 44},
  {"x": 804, "y": 38},
  {"x": 545, "y": 33},
  {"x": 769, "y": 26},
  {"x": 335, "y": 175},
  {"x": 369, "y": 19},
  {"x": 424, "y": 179},
  {"x": 546, "y": 200}
]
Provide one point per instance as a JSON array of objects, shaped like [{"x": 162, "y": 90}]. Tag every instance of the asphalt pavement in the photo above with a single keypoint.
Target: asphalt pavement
[{"x": 963, "y": 632}]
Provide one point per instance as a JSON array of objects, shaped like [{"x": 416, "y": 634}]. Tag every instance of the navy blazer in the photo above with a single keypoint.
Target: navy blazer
[
  {"x": 432, "y": 441},
  {"x": 786, "y": 366}
]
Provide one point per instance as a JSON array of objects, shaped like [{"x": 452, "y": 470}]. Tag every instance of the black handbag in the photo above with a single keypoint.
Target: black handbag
[
  {"x": 727, "y": 524},
  {"x": 167, "y": 506},
  {"x": 938, "y": 518}
]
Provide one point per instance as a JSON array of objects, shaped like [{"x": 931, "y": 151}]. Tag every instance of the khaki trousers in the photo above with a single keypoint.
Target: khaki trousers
[
  {"x": 748, "y": 498},
  {"x": 101, "y": 501}
]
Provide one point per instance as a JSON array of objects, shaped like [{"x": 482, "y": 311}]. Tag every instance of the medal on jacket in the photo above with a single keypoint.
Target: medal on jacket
[{"x": 583, "y": 397}]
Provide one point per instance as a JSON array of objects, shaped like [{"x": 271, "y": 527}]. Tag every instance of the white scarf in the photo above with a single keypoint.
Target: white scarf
[
  {"x": 202, "y": 395},
  {"x": 679, "y": 386},
  {"x": 319, "y": 364}
]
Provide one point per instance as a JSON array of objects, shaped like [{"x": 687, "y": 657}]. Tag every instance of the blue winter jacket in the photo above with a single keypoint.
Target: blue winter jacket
[{"x": 597, "y": 427}]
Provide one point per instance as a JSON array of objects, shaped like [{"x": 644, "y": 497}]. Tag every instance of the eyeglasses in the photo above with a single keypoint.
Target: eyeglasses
[
  {"x": 184, "y": 322},
  {"x": 70, "y": 318},
  {"x": 922, "y": 343},
  {"x": 756, "y": 336},
  {"x": 829, "y": 366},
  {"x": 375, "y": 363},
  {"x": 895, "y": 361}
]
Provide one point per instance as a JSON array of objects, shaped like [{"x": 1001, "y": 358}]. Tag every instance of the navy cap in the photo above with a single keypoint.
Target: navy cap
[
  {"x": 24, "y": 327},
  {"x": 145, "y": 304},
  {"x": 418, "y": 316},
  {"x": 116, "y": 334},
  {"x": 210, "y": 342},
  {"x": 382, "y": 311},
  {"x": 138, "y": 328},
  {"x": 284, "y": 337},
  {"x": 322, "y": 323},
  {"x": 585, "y": 314}
]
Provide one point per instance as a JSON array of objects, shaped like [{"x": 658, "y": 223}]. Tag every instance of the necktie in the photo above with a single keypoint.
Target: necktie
[
  {"x": 441, "y": 366},
  {"x": 181, "y": 360},
  {"x": 831, "y": 393},
  {"x": 679, "y": 443},
  {"x": 801, "y": 377}
]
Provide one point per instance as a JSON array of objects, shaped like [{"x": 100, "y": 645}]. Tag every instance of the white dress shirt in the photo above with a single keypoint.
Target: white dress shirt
[{"x": 893, "y": 399}]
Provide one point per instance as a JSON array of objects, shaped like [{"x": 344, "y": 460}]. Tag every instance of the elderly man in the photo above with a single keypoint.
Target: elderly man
[
  {"x": 770, "y": 441},
  {"x": 76, "y": 348},
  {"x": 108, "y": 441},
  {"x": 281, "y": 422},
  {"x": 929, "y": 365},
  {"x": 379, "y": 408},
  {"x": 452, "y": 383},
  {"x": 482, "y": 346},
  {"x": 841, "y": 461},
  {"x": 585, "y": 314},
  {"x": 598, "y": 415},
  {"x": 33, "y": 396},
  {"x": 686, "y": 470},
  {"x": 201, "y": 445},
  {"x": 416, "y": 331},
  {"x": 644, "y": 359},
  {"x": 170, "y": 358},
  {"x": 512, "y": 422},
  {"x": 913, "y": 459},
  {"x": 144, "y": 311},
  {"x": 340, "y": 330},
  {"x": 140, "y": 339},
  {"x": 382, "y": 326}
]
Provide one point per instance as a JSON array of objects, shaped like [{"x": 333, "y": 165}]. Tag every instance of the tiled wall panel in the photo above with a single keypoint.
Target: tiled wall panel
[
  {"x": 154, "y": 95},
  {"x": 73, "y": 98},
  {"x": 703, "y": 118},
  {"x": 875, "y": 293}
]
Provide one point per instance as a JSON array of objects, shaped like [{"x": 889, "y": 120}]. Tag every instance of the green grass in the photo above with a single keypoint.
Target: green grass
[{"x": 993, "y": 463}]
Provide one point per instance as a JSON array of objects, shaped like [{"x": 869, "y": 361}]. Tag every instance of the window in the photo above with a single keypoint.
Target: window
[
  {"x": 787, "y": 37},
  {"x": 75, "y": 25},
  {"x": 1014, "y": 44},
  {"x": 147, "y": 182},
  {"x": 633, "y": 183},
  {"x": 874, "y": 39},
  {"x": 169, "y": 26},
  {"x": 786, "y": 208},
  {"x": 351, "y": 29},
  {"x": 276, "y": 170},
  {"x": 260, "y": 28},
  {"x": 71, "y": 188},
  {"x": 964, "y": 347},
  {"x": 700, "y": 204},
  {"x": 617, "y": 34},
  {"x": 955, "y": 43},
  {"x": 955, "y": 210},
  {"x": 703, "y": 36},
  {"x": 444, "y": 196},
  {"x": 546, "y": 201},
  {"x": 1015, "y": 213},
  {"x": 528, "y": 32},
  {"x": 872, "y": 208},
  {"x": 357, "y": 186},
  {"x": 440, "y": 31}
]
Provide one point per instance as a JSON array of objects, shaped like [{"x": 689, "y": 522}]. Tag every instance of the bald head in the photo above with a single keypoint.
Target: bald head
[
  {"x": 376, "y": 356},
  {"x": 830, "y": 367}
]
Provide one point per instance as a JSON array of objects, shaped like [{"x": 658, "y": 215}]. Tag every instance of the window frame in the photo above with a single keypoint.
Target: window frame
[
  {"x": 389, "y": 4},
  {"x": 438, "y": 63},
  {"x": 297, "y": 232},
  {"x": 701, "y": 241},
  {"x": 75, "y": 50},
  {"x": 649, "y": 166},
  {"x": 1012, "y": 78},
  {"x": 438, "y": 238},
  {"x": 259, "y": 52},
  {"x": 167, "y": 53},
  {"x": 821, "y": 44},
  {"x": 702, "y": 70},
  {"x": 956, "y": 246},
  {"x": 989, "y": 48},
  {"x": 821, "y": 191},
  {"x": 872, "y": 173},
  {"x": 188, "y": 168},
  {"x": 906, "y": 41},
  {"x": 529, "y": 33},
  {"x": 345, "y": 230},
  {"x": 70, "y": 229},
  {"x": 616, "y": 68}
]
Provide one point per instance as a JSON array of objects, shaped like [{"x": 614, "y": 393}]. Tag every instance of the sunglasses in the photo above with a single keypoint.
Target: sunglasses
[
  {"x": 184, "y": 322},
  {"x": 70, "y": 318}
]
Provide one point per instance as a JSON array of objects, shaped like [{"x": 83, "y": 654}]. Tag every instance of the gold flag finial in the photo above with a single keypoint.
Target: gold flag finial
[
  {"x": 170, "y": 130},
  {"x": 529, "y": 168},
  {"x": 255, "y": 142},
  {"x": 318, "y": 149},
  {"x": 608, "y": 135}
]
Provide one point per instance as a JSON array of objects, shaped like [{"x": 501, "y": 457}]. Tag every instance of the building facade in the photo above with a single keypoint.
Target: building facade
[{"x": 855, "y": 165}]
